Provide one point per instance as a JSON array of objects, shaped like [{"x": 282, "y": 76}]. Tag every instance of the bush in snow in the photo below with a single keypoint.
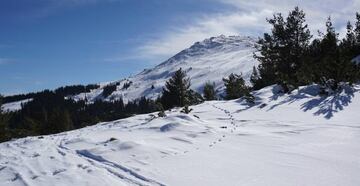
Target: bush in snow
[
  {"x": 162, "y": 114},
  {"x": 186, "y": 109},
  {"x": 209, "y": 91}
]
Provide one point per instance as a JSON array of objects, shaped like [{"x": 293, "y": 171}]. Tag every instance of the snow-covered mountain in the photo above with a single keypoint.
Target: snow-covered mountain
[
  {"x": 283, "y": 139},
  {"x": 206, "y": 61},
  {"x": 292, "y": 139}
]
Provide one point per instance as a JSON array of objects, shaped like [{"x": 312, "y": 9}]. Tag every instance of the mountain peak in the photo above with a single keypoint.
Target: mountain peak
[{"x": 214, "y": 44}]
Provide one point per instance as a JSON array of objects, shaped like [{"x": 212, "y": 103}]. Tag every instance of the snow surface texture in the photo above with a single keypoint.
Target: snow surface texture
[
  {"x": 296, "y": 139},
  {"x": 14, "y": 106},
  {"x": 206, "y": 61}
]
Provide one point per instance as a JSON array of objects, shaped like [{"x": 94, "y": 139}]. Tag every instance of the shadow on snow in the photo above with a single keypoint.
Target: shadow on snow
[{"x": 323, "y": 105}]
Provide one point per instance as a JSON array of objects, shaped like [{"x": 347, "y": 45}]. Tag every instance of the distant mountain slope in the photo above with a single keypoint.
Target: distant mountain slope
[
  {"x": 209, "y": 60},
  {"x": 14, "y": 106}
]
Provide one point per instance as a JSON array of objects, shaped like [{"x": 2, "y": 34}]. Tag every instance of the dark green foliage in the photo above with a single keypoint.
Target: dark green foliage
[
  {"x": 75, "y": 89},
  {"x": 176, "y": 90},
  {"x": 286, "y": 57},
  {"x": 60, "y": 121},
  {"x": 4, "y": 128},
  {"x": 108, "y": 90},
  {"x": 127, "y": 85},
  {"x": 209, "y": 91},
  {"x": 19, "y": 97},
  {"x": 357, "y": 30},
  {"x": 49, "y": 112},
  {"x": 162, "y": 114},
  {"x": 350, "y": 49},
  {"x": 328, "y": 63},
  {"x": 194, "y": 98},
  {"x": 235, "y": 87},
  {"x": 186, "y": 109},
  {"x": 256, "y": 80},
  {"x": 281, "y": 52},
  {"x": 249, "y": 98}
]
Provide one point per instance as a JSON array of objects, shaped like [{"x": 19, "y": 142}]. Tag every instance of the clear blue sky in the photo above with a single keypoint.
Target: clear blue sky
[{"x": 51, "y": 43}]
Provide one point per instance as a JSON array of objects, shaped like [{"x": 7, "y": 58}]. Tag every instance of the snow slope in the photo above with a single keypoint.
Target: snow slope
[
  {"x": 14, "y": 106},
  {"x": 209, "y": 60},
  {"x": 296, "y": 139}
]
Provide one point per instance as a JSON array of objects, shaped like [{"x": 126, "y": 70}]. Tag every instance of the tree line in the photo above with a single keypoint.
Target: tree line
[
  {"x": 290, "y": 56},
  {"x": 51, "y": 112},
  {"x": 65, "y": 91}
]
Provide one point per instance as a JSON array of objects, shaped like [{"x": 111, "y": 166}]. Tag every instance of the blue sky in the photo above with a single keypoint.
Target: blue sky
[{"x": 51, "y": 43}]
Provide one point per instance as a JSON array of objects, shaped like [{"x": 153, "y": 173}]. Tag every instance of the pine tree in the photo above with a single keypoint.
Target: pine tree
[
  {"x": 281, "y": 52},
  {"x": 235, "y": 87},
  {"x": 268, "y": 55},
  {"x": 176, "y": 90},
  {"x": 193, "y": 98},
  {"x": 357, "y": 45},
  {"x": 348, "y": 51},
  {"x": 357, "y": 29},
  {"x": 357, "y": 35},
  {"x": 209, "y": 91},
  {"x": 5, "y": 133},
  {"x": 348, "y": 44},
  {"x": 329, "y": 57},
  {"x": 307, "y": 74},
  {"x": 256, "y": 80},
  {"x": 334, "y": 64}
]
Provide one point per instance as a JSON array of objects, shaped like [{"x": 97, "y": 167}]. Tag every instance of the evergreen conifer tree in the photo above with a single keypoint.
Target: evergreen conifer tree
[
  {"x": 357, "y": 29},
  {"x": 329, "y": 57},
  {"x": 334, "y": 64},
  {"x": 255, "y": 79},
  {"x": 176, "y": 90},
  {"x": 281, "y": 52},
  {"x": 209, "y": 91},
  {"x": 235, "y": 87}
]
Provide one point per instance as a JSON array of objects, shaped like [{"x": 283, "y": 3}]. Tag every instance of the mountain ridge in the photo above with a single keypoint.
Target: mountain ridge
[{"x": 209, "y": 60}]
